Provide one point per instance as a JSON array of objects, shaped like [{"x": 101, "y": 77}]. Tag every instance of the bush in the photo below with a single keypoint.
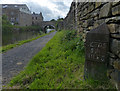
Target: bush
[
  {"x": 6, "y": 25},
  {"x": 5, "y": 20},
  {"x": 74, "y": 43},
  {"x": 69, "y": 35}
]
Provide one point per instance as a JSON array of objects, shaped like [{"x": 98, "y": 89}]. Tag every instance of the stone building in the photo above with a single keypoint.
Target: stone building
[
  {"x": 18, "y": 14},
  {"x": 36, "y": 18}
]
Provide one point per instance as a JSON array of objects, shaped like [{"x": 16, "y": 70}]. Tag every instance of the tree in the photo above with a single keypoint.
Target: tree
[
  {"x": 53, "y": 20},
  {"x": 5, "y": 20},
  {"x": 60, "y": 19}
]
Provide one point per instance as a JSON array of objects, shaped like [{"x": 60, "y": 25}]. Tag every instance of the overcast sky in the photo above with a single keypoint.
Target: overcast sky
[{"x": 51, "y": 9}]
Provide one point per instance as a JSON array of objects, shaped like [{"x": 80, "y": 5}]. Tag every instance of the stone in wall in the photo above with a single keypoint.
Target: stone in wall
[
  {"x": 118, "y": 85},
  {"x": 80, "y": 22},
  {"x": 91, "y": 7},
  {"x": 105, "y": 10},
  {"x": 111, "y": 61},
  {"x": 115, "y": 3},
  {"x": 116, "y": 10},
  {"x": 84, "y": 18},
  {"x": 91, "y": 27},
  {"x": 80, "y": 29},
  {"x": 95, "y": 25},
  {"x": 95, "y": 14},
  {"x": 84, "y": 12},
  {"x": 114, "y": 28},
  {"x": 116, "y": 64},
  {"x": 113, "y": 20},
  {"x": 113, "y": 56},
  {"x": 97, "y": 4},
  {"x": 90, "y": 22},
  {"x": 100, "y": 21},
  {"x": 85, "y": 24},
  {"x": 115, "y": 75},
  {"x": 115, "y": 47},
  {"x": 116, "y": 36}
]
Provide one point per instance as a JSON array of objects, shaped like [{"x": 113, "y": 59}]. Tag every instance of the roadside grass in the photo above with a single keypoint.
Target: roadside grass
[
  {"x": 59, "y": 65},
  {"x": 10, "y": 46}
]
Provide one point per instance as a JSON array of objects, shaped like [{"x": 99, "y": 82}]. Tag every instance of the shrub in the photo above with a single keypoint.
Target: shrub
[
  {"x": 6, "y": 25},
  {"x": 69, "y": 35}
]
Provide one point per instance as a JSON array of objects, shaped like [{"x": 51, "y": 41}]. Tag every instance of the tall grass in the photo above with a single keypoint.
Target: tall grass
[{"x": 59, "y": 65}]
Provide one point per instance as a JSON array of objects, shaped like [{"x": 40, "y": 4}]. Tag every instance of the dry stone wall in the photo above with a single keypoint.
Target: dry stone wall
[
  {"x": 86, "y": 16},
  {"x": 69, "y": 21}
]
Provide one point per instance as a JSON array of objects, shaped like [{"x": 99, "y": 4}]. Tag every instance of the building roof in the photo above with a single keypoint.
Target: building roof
[
  {"x": 13, "y": 5},
  {"x": 37, "y": 15},
  {"x": 21, "y": 7}
]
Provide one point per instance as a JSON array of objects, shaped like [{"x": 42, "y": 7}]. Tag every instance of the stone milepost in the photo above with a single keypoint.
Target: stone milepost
[{"x": 97, "y": 48}]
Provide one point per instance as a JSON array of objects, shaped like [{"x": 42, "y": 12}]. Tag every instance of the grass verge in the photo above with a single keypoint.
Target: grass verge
[
  {"x": 59, "y": 65},
  {"x": 10, "y": 46}
]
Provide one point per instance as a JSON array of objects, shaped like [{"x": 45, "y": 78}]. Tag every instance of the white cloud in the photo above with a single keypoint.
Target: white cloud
[{"x": 50, "y": 8}]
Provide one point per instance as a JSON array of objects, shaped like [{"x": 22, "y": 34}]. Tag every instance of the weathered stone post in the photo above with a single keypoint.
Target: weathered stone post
[{"x": 96, "y": 53}]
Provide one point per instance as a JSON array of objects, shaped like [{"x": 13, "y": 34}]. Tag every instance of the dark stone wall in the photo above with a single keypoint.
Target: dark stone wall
[
  {"x": 85, "y": 16},
  {"x": 60, "y": 25},
  {"x": 69, "y": 22}
]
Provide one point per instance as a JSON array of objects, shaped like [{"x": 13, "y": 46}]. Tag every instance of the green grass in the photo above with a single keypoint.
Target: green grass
[
  {"x": 59, "y": 65},
  {"x": 10, "y": 46}
]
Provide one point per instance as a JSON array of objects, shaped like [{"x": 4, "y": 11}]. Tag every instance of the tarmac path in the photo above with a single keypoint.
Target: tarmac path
[{"x": 14, "y": 60}]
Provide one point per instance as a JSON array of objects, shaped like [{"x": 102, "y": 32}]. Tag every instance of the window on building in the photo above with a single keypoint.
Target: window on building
[
  {"x": 12, "y": 19},
  {"x": 32, "y": 17},
  {"x": 17, "y": 19},
  {"x": 5, "y": 6},
  {"x": 12, "y": 13},
  {"x": 36, "y": 18},
  {"x": 32, "y": 23},
  {"x": 15, "y": 6}
]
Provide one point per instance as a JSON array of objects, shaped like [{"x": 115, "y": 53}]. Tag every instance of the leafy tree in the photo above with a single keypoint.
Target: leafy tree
[
  {"x": 5, "y": 20},
  {"x": 60, "y": 19},
  {"x": 6, "y": 25},
  {"x": 53, "y": 20}
]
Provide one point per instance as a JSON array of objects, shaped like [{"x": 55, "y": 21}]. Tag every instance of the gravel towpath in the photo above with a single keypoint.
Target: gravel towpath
[{"x": 14, "y": 60}]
